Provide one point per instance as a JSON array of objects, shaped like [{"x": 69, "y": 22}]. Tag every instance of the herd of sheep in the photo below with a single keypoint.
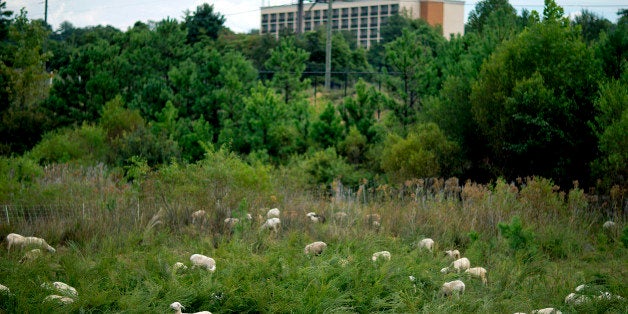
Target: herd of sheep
[{"x": 65, "y": 294}]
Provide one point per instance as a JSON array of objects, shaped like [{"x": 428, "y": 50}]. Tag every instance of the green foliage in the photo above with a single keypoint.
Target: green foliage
[
  {"x": 325, "y": 166},
  {"x": 530, "y": 106},
  {"x": 624, "y": 237},
  {"x": 117, "y": 120},
  {"x": 354, "y": 146},
  {"x": 518, "y": 238},
  {"x": 86, "y": 144},
  {"x": 611, "y": 128},
  {"x": 425, "y": 152},
  {"x": 327, "y": 130},
  {"x": 288, "y": 63},
  {"x": 485, "y": 10},
  {"x": 203, "y": 23}
]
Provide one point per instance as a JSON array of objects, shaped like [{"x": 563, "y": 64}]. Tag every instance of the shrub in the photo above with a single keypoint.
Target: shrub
[
  {"x": 86, "y": 144},
  {"x": 518, "y": 238}
]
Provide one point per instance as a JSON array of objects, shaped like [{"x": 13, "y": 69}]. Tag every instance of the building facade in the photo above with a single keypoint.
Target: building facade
[{"x": 363, "y": 18}]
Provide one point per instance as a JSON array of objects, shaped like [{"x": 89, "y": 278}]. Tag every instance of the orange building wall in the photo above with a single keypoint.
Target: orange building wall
[{"x": 432, "y": 12}]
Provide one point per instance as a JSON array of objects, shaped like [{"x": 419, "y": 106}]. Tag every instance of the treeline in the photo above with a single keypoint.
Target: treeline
[{"x": 517, "y": 95}]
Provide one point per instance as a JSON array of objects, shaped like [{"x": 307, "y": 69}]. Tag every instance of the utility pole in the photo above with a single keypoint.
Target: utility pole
[
  {"x": 328, "y": 48},
  {"x": 46, "y": 13},
  {"x": 300, "y": 17}
]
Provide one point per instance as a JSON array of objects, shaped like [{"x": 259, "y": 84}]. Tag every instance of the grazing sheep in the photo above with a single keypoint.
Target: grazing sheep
[
  {"x": 547, "y": 310},
  {"x": 457, "y": 265},
  {"x": 272, "y": 223},
  {"x": 581, "y": 287},
  {"x": 59, "y": 298},
  {"x": 4, "y": 289},
  {"x": 479, "y": 272},
  {"x": 426, "y": 243},
  {"x": 456, "y": 286},
  {"x": 340, "y": 216},
  {"x": 373, "y": 220},
  {"x": 455, "y": 254},
  {"x": 608, "y": 296},
  {"x": 315, "y": 248},
  {"x": 576, "y": 299},
  {"x": 62, "y": 288},
  {"x": 199, "y": 260},
  {"x": 14, "y": 239},
  {"x": 314, "y": 217},
  {"x": 178, "y": 266},
  {"x": 273, "y": 213},
  {"x": 381, "y": 255},
  {"x": 609, "y": 225},
  {"x": 176, "y": 306},
  {"x": 31, "y": 255},
  {"x": 200, "y": 216},
  {"x": 231, "y": 222}
]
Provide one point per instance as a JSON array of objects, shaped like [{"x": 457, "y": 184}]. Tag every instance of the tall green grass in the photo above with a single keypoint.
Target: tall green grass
[{"x": 117, "y": 241}]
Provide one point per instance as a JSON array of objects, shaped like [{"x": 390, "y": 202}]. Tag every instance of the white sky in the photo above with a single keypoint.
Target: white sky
[{"x": 241, "y": 15}]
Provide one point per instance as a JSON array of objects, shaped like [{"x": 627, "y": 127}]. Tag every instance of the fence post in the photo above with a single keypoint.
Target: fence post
[
  {"x": 83, "y": 210},
  {"x": 6, "y": 212}
]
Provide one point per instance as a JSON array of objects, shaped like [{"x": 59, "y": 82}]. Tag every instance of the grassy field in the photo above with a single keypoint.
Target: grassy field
[{"x": 117, "y": 242}]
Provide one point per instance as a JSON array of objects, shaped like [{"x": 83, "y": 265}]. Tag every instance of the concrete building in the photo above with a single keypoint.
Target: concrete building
[{"x": 364, "y": 18}]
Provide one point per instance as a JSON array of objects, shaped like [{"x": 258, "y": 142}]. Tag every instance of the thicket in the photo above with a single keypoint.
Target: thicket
[{"x": 480, "y": 106}]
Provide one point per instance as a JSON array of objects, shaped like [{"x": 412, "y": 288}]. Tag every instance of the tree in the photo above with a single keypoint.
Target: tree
[
  {"x": 479, "y": 17},
  {"x": 327, "y": 130},
  {"x": 5, "y": 20},
  {"x": 611, "y": 129},
  {"x": 592, "y": 25},
  {"x": 204, "y": 23},
  {"x": 287, "y": 62},
  {"x": 412, "y": 57},
  {"x": 533, "y": 108},
  {"x": 25, "y": 84}
]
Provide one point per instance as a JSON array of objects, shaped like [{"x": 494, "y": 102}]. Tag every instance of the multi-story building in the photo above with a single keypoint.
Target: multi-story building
[{"x": 363, "y": 18}]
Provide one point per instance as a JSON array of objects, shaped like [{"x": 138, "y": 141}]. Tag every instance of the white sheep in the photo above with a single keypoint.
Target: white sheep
[
  {"x": 178, "y": 266},
  {"x": 177, "y": 307},
  {"x": 59, "y": 298},
  {"x": 340, "y": 216},
  {"x": 381, "y": 255},
  {"x": 455, "y": 254},
  {"x": 31, "y": 255},
  {"x": 581, "y": 287},
  {"x": 272, "y": 223},
  {"x": 479, "y": 272},
  {"x": 608, "y": 296},
  {"x": 547, "y": 310},
  {"x": 458, "y": 265},
  {"x": 62, "y": 288},
  {"x": 576, "y": 299},
  {"x": 199, "y": 260},
  {"x": 4, "y": 289},
  {"x": 199, "y": 215},
  {"x": 315, "y": 248},
  {"x": 273, "y": 213},
  {"x": 609, "y": 225},
  {"x": 14, "y": 239},
  {"x": 456, "y": 286},
  {"x": 373, "y": 220},
  {"x": 426, "y": 243},
  {"x": 314, "y": 217},
  {"x": 230, "y": 222}
]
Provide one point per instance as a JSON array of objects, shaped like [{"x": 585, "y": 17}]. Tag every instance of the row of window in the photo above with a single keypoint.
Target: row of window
[
  {"x": 337, "y": 23},
  {"x": 344, "y": 13}
]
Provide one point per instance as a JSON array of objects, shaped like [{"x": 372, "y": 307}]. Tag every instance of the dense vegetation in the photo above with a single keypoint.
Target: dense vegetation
[{"x": 110, "y": 139}]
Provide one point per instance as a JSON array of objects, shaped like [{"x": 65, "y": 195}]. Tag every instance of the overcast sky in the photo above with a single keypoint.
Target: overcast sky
[{"x": 241, "y": 15}]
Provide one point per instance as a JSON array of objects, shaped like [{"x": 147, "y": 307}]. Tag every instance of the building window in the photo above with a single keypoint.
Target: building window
[
  {"x": 308, "y": 15},
  {"x": 317, "y": 14},
  {"x": 273, "y": 18},
  {"x": 383, "y": 20},
  {"x": 345, "y": 12},
  {"x": 364, "y": 43},
  {"x": 282, "y": 17},
  {"x": 273, "y": 28},
  {"x": 354, "y": 12},
  {"x": 374, "y": 33},
  {"x": 373, "y": 9},
  {"x": 364, "y": 11},
  {"x": 374, "y": 21},
  {"x": 264, "y": 28},
  {"x": 308, "y": 26},
  {"x": 290, "y": 16},
  {"x": 324, "y": 14},
  {"x": 334, "y": 24},
  {"x": 384, "y": 9},
  {"x": 394, "y": 9},
  {"x": 364, "y": 22},
  {"x": 335, "y": 14},
  {"x": 345, "y": 23},
  {"x": 264, "y": 17},
  {"x": 354, "y": 23}
]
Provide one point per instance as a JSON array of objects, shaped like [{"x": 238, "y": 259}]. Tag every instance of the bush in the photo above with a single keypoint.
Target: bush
[
  {"x": 86, "y": 144},
  {"x": 518, "y": 238}
]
